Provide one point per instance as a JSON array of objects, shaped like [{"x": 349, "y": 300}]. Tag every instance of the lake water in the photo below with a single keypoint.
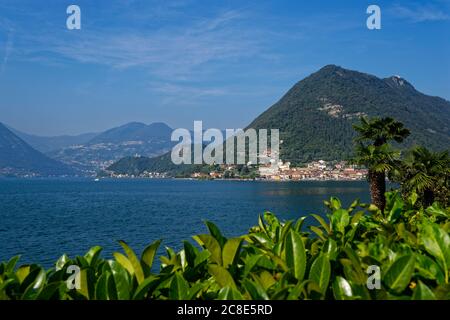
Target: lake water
[{"x": 43, "y": 218}]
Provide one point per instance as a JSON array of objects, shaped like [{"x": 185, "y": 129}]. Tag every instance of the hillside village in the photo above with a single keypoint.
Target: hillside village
[
  {"x": 274, "y": 169},
  {"x": 317, "y": 170},
  {"x": 271, "y": 168},
  {"x": 281, "y": 171}
]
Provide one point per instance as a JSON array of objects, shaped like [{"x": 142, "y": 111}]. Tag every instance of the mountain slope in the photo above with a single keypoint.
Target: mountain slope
[
  {"x": 128, "y": 140},
  {"x": 134, "y": 131},
  {"x": 17, "y": 158},
  {"x": 315, "y": 116},
  {"x": 48, "y": 144}
]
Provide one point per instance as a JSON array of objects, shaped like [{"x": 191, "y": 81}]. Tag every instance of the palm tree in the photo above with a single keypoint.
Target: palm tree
[
  {"x": 378, "y": 160},
  {"x": 380, "y": 131},
  {"x": 425, "y": 172},
  {"x": 374, "y": 152}
]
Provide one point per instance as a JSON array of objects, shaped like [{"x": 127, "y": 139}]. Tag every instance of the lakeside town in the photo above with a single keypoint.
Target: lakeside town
[
  {"x": 271, "y": 171},
  {"x": 270, "y": 168},
  {"x": 282, "y": 171}
]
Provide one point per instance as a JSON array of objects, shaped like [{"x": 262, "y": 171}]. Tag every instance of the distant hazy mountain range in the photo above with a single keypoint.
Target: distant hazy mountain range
[
  {"x": 47, "y": 144},
  {"x": 132, "y": 139},
  {"x": 83, "y": 154},
  {"x": 315, "y": 118},
  {"x": 17, "y": 158}
]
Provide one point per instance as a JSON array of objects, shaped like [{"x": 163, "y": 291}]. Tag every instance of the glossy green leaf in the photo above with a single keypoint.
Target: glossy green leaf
[
  {"x": 23, "y": 272},
  {"x": 437, "y": 243},
  {"x": 250, "y": 263},
  {"x": 101, "y": 288},
  {"x": 134, "y": 262},
  {"x": 215, "y": 232},
  {"x": 148, "y": 255},
  {"x": 179, "y": 287},
  {"x": 299, "y": 288},
  {"x": 334, "y": 203},
  {"x": 49, "y": 291},
  {"x": 36, "y": 287},
  {"x": 228, "y": 293},
  {"x": 339, "y": 220},
  {"x": 121, "y": 280},
  {"x": 195, "y": 290},
  {"x": 429, "y": 269},
  {"x": 230, "y": 251},
  {"x": 146, "y": 287},
  {"x": 261, "y": 224},
  {"x": 299, "y": 224},
  {"x": 356, "y": 218},
  {"x": 84, "y": 284},
  {"x": 124, "y": 262},
  {"x": 422, "y": 292},
  {"x": 212, "y": 245},
  {"x": 354, "y": 267},
  {"x": 201, "y": 257},
  {"x": 342, "y": 289},
  {"x": 318, "y": 232},
  {"x": 330, "y": 249},
  {"x": 191, "y": 253},
  {"x": 11, "y": 264},
  {"x": 399, "y": 274},
  {"x": 92, "y": 255},
  {"x": 266, "y": 279},
  {"x": 322, "y": 223},
  {"x": 255, "y": 290},
  {"x": 61, "y": 262},
  {"x": 320, "y": 272},
  {"x": 295, "y": 255},
  {"x": 222, "y": 276}
]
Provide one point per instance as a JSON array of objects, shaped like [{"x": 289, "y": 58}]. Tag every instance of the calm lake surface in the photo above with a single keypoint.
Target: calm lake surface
[{"x": 42, "y": 218}]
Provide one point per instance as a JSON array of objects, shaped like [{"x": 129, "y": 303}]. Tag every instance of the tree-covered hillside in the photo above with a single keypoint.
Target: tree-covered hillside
[{"x": 315, "y": 116}]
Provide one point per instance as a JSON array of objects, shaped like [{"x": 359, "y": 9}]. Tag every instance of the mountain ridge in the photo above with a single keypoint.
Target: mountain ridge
[
  {"x": 133, "y": 131},
  {"x": 46, "y": 144},
  {"x": 330, "y": 100},
  {"x": 316, "y": 115},
  {"x": 17, "y": 158},
  {"x": 130, "y": 139}
]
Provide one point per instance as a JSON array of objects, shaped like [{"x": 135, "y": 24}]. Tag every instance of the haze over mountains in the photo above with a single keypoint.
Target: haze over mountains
[
  {"x": 105, "y": 148},
  {"x": 47, "y": 144},
  {"x": 17, "y": 158},
  {"x": 315, "y": 118},
  {"x": 87, "y": 153}
]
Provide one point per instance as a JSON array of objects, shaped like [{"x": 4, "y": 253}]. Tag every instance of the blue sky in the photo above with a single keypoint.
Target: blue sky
[{"x": 223, "y": 62}]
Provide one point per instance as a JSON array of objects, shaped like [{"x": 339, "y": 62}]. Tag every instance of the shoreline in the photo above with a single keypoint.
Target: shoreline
[{"x": 93, "y": 178}]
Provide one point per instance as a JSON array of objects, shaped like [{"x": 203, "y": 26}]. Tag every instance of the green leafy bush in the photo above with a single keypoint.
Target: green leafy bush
[{"x": 274, "y": 260}]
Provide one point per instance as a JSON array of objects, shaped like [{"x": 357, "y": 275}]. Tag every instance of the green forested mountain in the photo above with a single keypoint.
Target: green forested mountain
[
  {"x": 137, "y": 165},
  {"x": 315, "y": 117}
]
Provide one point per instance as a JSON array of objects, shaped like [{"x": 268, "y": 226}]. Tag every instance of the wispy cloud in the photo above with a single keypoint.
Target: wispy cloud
[
  {"x": 7, "y": 51},
  {"x": 420, "y": 13},
  {"x": 6, "y": 28},
  {"x": 183, "y": 94},
  {"x": 172, "y": 52},
  {"x": 185, "y": 90}
]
